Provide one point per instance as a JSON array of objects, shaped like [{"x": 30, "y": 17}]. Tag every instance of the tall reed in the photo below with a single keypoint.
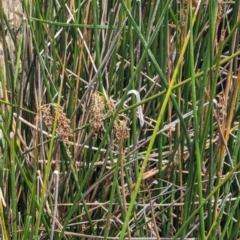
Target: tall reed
[{"x": 119, "y": 119}]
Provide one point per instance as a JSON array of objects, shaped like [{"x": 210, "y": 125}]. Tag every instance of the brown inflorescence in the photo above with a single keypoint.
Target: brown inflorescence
[
  {"x": 63, "y": 123},
  {"x": 120, "y": 127},
  {"x": 97, "y": 112},
  {"x": 110, "y": 106},
  {"x": 98, "y": 105},
  {"x": 47, "y": 117}
]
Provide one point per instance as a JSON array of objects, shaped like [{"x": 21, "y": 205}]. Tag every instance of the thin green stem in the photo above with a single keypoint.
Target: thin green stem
[{"x": 196, "y": 127}]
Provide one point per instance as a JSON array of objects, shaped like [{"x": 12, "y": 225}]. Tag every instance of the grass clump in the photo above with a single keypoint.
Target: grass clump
[{"x": 119, "y": 120}]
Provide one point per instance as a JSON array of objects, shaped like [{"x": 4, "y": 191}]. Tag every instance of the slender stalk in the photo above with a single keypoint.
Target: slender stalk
[
  {"x": 121, "y": 160},
  {"x": 2, "y": 218},
  {"x": 196, "y": 128},
  {"x": 13, "y": 187}
]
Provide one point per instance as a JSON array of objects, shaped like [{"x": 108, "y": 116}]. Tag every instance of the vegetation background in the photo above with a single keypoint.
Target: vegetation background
[{"x": 119, "y": 119}]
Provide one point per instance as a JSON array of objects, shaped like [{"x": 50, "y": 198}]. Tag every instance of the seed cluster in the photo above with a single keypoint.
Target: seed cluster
[
  {"x": 97, "y": 112},
  {"x": 221, "y": 111},
  {"x": 98, "y": 106},
  {"x": 47, "y": 117},
  {"x": 110, "y": 106},
  {"x": 120, "y": 128},
  {"x": 63, "y": 123}
]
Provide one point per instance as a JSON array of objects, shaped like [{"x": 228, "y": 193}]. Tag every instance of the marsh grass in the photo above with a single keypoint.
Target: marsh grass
[{"x": 120, "y": 120}]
